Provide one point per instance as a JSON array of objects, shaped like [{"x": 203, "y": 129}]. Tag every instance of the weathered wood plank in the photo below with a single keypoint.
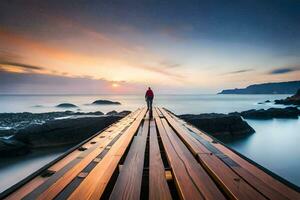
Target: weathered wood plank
[
  {"x": 191, "y": 179},
  {"x": 92, "y": 187},
  {"x": 267, "y": 185},
  {"x": 231, "y": 183},
  {"x": 53, "y": 187},
  {"x": 128, "y": 184},
  {"x": 38, "y": 181},
  {"x": 263, "y": 182},
  {"x": 158, "y": 187},
  {"x": 194, "y": 146}
]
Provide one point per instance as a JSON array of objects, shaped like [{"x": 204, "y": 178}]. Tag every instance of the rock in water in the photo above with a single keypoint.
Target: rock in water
[
  {"x": 293, "y": 100},
  {"x": 10, "y": 147},
  {"x": 220, "y": 124},
  {"x": 124, "y": 113},
  {"x": 66, "y": 105},
  {"x": 112, "y": 113},
  {"x": 106, "y": 102},
  {"x": 63, "y": 132},
  {"x": 290, "y": 112}
]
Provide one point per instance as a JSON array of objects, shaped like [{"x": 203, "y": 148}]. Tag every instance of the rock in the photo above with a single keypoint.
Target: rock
[
  {"x": 267, "y": 101},
  {"x": 66, "y": 105},
  {"x": 112, "y": 113},
  {"x": 124, "y": 113},
  {"x": 220, "y": 124},
  {"x": 290, "y": 112},
  {"x": 106, "y": 102},
  {"x": 293, "y": 100},
  {"x": 62, "y": 132},
  {"x": 10, "y": 147},
  {"x": 7, "y": 132},
  {"x": 17, "y": 121}
]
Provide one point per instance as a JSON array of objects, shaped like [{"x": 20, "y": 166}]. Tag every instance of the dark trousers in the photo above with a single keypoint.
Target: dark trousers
[{"x": 149, "y": 104}]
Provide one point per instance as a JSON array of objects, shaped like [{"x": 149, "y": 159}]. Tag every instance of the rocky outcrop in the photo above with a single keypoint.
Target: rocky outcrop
[
  {"x": 112, "y": 113},
  {"x": 289, "y": 113},
  {"x": 293, "y": 100},
  {"x": 124, "y": 113},
  {"x": 10, "y": 147},
  {"x": 52, "y": 132},
  {"x": 106, "y": 102},
  {"x": 18, "y": 121},
  {"x": 66, "y": 105},
  {"x": 220, "y": 124},
  {"x": 62, "y": 132}
]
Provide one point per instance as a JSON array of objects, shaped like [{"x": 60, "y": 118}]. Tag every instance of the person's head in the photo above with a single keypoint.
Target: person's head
[{"x": 149, "y": 88}]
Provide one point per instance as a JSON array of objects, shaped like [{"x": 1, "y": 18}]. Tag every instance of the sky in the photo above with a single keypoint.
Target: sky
[{"x": 122, "y": 47}]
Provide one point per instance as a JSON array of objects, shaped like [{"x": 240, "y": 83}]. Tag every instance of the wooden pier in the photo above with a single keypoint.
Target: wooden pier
[{"x": 159, "y": 158}]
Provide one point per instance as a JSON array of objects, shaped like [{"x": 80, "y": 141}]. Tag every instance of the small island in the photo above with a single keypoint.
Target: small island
[
  {"x": 66, "y": 105},
  {"x": 106, "y": 102}
]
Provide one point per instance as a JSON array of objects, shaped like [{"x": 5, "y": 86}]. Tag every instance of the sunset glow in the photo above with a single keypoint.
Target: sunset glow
[{"x": 195, "y": 56}]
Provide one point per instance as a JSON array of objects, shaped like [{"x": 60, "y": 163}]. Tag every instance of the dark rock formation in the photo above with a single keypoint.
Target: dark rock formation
[
  {"x": 293, "y": 100},
  {"x": 267, "y": 88},
  {"x": 106, "y": 102},
  {"x": 220, "y": 124},
  {"x": 124, "y": 113},
  {"x": 10, "y": 147},
  {"x": 290, "y": 112},
  {"x": 62, "y": 132},
  {"x": 22, "y": 120},
  {"x": 45, "y": 130},
  {"x": 66, "y": 105},
  {"x": 120, "y": 114},
  {"x": 112, "y": 113}
]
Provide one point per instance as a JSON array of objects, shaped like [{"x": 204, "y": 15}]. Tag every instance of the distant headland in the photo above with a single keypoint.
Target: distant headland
[{"x": 290, "y": 87}]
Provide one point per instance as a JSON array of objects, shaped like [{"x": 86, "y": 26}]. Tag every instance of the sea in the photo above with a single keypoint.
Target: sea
[{"x": 274, "y": 145}]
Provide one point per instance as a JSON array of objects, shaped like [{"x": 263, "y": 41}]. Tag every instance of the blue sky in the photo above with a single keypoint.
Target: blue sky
[{"x": 124, "y": 46}]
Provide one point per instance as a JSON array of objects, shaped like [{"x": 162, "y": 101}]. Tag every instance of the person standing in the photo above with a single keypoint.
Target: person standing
[{"x": 149, "y": 98}]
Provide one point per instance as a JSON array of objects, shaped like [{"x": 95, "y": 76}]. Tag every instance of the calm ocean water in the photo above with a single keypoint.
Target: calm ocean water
[{"x": 274, "y": 145}]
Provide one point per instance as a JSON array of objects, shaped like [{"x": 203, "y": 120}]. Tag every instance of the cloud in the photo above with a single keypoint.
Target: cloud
[
  {"x": 284, "y": 70},
  {"x": 31, "y": 83},
  {"x": 21, "y": 65},
  {"x": 169, "y": 64},
  {"x": 11, "y": 61},
  {"x": 238, "y": 71},
  {"x": 165, "y": 71}
]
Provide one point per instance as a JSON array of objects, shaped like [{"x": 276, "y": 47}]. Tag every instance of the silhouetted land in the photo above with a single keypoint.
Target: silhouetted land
[{"x": 290, "y": 87}]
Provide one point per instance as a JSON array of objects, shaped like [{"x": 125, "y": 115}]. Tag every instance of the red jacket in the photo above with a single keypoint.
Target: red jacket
[{"x": 149, "y": 94}]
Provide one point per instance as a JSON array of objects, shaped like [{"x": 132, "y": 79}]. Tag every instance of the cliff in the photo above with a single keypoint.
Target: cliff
[{"x": 290, "y": 87}]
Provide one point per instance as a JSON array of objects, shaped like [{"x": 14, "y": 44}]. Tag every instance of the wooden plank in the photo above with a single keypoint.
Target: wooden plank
[
  {"x": 191, "y": 179},
  {"x": 52, "y": 189},
  {"x": 194, "y": 146},
  {"x": 158, "y": 187},
  {"x": 231, "y": 183},
  {"x": 263, "y": 182},
  {"x": 92, "y": 187},
  {"x": 37, "y": 181},
  {"x": 272, "y": 189},
  {"x": 128, "y": 184}
]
